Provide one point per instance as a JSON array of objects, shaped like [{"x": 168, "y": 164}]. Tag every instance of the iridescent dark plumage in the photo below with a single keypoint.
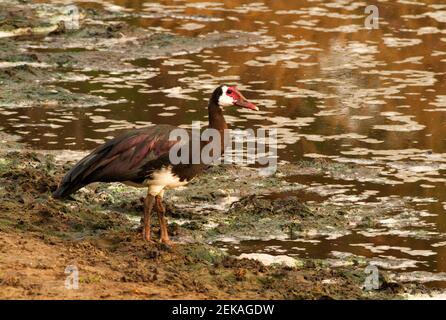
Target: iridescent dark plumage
[
  {"x": 130, "y": 157},
  {"x": 141, "y": 157}
]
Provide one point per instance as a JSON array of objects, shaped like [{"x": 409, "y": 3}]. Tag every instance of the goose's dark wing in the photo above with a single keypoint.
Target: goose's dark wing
[{"x": 128, "y": 157}]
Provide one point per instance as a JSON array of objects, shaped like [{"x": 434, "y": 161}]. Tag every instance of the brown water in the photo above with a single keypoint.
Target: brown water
[{"x": 332, "y": 88}]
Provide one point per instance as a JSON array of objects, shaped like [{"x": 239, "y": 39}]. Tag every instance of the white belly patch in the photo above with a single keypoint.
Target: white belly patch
[{"x": 161, "y": 179}]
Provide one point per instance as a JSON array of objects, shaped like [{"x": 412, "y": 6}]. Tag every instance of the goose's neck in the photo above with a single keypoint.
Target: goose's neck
[{"x": 216, "y": 119}]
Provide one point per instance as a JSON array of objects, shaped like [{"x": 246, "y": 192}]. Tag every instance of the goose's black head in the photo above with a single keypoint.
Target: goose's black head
[{"x": 226, "y": 96}]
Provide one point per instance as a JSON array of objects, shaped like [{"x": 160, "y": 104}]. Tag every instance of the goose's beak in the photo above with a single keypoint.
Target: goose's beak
[{"x": 246, "y": 104}]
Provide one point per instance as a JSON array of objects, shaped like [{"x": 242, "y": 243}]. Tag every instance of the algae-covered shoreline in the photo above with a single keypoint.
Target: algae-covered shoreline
[{"x": 44, "y": 53}]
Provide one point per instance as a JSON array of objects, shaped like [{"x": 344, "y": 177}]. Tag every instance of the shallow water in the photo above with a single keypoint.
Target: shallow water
[{"x": 331, "y": 87}]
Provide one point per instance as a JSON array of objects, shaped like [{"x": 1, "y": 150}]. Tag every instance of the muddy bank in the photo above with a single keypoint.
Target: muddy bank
[
  {"x": 98, "y": 232},
  {"x": 42, "y": 45}
]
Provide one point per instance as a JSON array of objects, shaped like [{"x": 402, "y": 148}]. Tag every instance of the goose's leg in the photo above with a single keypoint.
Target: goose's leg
[
  {"x": 148, "y": 205},
  {"x": 163, "y": 224}
]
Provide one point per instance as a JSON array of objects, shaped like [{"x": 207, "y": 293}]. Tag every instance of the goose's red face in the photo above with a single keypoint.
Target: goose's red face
[{"x": 232, "y": 97}]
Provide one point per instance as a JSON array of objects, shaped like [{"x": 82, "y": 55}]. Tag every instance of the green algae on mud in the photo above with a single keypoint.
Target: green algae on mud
[
  {"x": 31, "y": 73},
  {"x": 27, "y": 205}
]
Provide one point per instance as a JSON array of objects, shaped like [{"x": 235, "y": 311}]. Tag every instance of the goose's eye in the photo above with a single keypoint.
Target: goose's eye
[{"x": 229, "y": 91}]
